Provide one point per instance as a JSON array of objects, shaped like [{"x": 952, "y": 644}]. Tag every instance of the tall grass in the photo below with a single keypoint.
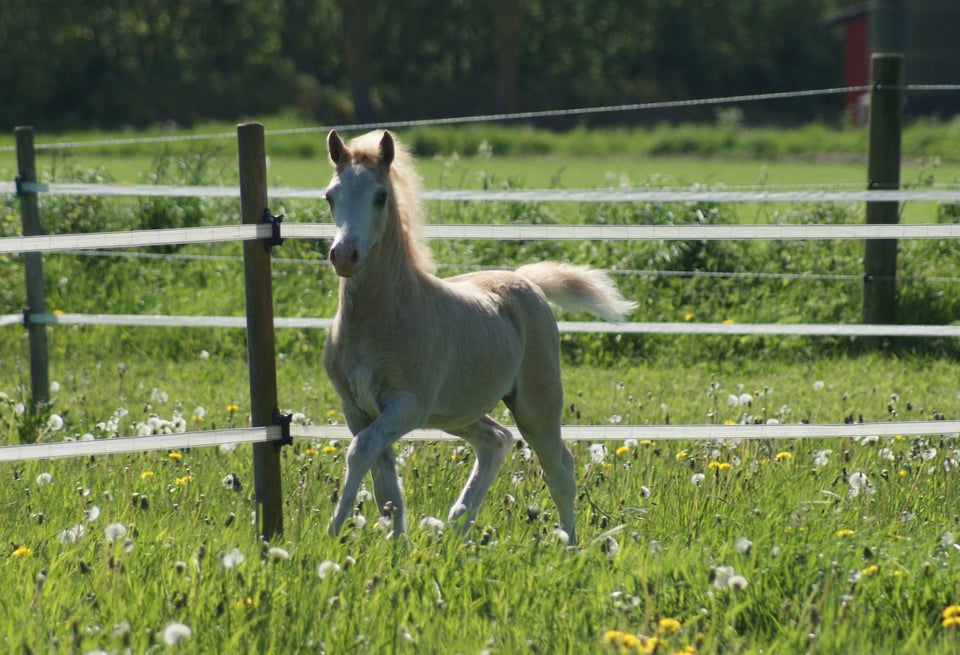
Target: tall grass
[{"x": 829, "y": 546}]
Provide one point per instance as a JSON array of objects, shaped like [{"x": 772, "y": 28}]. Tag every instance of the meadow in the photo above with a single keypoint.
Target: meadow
[{"x": 825, "y": 546}]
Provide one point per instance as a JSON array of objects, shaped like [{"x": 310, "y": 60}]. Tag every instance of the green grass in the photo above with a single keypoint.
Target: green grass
[
  {"x": 869, "y": 573},
  {"x": 826, "y": 571}
]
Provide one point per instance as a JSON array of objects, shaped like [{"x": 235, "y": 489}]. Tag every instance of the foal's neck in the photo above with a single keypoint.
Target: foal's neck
[{"x": 386, "y": 280}]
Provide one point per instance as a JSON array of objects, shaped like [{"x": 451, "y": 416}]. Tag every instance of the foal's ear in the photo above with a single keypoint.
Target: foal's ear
[
  {"x": 335, "y": 147},
  {"x": 386, "y": 149}
]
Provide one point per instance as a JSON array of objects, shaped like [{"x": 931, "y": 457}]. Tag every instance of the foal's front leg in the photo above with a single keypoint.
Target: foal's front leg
[{"x": 397, "y": 418}]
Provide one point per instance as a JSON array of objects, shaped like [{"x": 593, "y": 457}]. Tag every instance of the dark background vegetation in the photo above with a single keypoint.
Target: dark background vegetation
[{"x": 72, "y": 64}]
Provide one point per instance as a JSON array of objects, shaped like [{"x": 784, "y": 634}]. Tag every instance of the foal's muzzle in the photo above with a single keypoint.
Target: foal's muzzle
[{"x": 344, "y": 258}]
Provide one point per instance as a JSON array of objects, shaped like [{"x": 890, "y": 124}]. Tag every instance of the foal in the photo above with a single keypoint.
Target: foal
[{"x": 409, "y": 350}]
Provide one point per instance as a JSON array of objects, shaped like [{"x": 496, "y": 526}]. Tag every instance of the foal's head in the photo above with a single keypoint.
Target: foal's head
[{"x": 374, "y": 183}]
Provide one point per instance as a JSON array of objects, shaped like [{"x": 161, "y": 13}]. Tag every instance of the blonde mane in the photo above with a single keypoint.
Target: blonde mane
[{"x": 406, "y": 187}]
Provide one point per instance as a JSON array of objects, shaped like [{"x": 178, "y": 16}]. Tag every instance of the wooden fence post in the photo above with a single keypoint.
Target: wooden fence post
[
  {"x": 883, "y": 172},
  {"x": 33, "y": 267},
  {"x": 261, "y": 346}
]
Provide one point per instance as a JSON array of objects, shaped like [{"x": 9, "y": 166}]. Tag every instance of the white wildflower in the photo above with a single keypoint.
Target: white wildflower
[
  {"x": 92, "y": 514},
  {"x": 115, "y": 531},
  {"x": 176, "y": 632},
  {"x": 278, "y": 554},
  {"x": 817, "y": 385},
  {"x": 70, "y": 535},
  {"x": 597, "y": 452},
  {"x": 743, "y": 545},
  {"x": 697, "y": 479},
  {"x": 55, "y": 422},
  {"x": 733, "y": 400},
  {"x": 737, "y": 582},
  {"x": 431, "y": 524},
  {"x": 232, "y": 559},
  {"x": 326, "y": 568},
  {"x": 820, "y": 457},
  {"x": 44, "y": 478}
]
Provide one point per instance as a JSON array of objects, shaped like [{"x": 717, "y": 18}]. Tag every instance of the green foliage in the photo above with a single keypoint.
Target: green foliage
[{"x": 142, "y": 62}]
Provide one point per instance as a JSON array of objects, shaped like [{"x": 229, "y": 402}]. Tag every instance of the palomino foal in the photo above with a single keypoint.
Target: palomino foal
[{"x": 409, "y": 350}]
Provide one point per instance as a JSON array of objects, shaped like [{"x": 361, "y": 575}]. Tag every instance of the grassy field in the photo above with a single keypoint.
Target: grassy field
[{"x": 825, "y": 546}]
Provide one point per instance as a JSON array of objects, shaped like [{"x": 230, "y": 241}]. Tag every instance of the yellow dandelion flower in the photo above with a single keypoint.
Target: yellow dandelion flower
[
  {"x": 606, "y": 465},
  {"x": 174, "y": 455},
  {"x": 331, "y": 413},
  {"x": 196, "y": 418},
  {"x": 689, "y": 649},
  {"x": 611, "y": 637},
  {"x": 646, "y": 442},
  {"x": 728, "y": 321},
  {"x": 146, "y": 475},
  {"x": 668, "y": 625},
  {"x": 844, "y": 532},
  {"x": 649, "y": 646},
  {"x": 870, "y": 570},
  {"x": 329, "y": 449},
  {"x": 952, "y": 622},
  {"x": 681, "y": 455},
  {"x": 310, "y": 452},
  {"x": 233, "y": 408},
  {"x": 951, "y": 612},
  {"x": 631, "y": 641},
  {"x": 901, "y": 473},
  {"x": 898, "y": 573},
  {"x": 729, "y": 422},
  {"x": 623, "y": 450},
  {"x": 246, "y": 602},
  {"x": 419, "y": 555},
  {"x": 184, "y": 481},
  {"x": 21, "y": 551},
  {"x": 688, "y": 316},
  {"x": 58, "y": 312},
  {"x": 783, "y": 454}
]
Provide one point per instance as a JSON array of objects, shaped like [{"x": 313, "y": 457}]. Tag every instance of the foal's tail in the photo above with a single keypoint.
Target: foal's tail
[{"x": 578, "y": 288}]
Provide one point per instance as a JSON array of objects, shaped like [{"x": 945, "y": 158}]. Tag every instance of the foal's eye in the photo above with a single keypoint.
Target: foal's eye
[{"x": 381, "y": 198}]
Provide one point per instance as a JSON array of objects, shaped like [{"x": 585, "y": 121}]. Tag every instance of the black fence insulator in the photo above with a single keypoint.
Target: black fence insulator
[
  {"x": 274, "y": 221},
  {"x": 283, "y": 420}
]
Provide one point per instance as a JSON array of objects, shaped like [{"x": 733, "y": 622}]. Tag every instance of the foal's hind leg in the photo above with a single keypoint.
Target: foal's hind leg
[
  {"x": 491, "y": 443},
  {"x": 536, "y": 408}
]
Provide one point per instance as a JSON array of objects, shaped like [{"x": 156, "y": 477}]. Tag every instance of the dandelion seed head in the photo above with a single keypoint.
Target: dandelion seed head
[
  {"x": 232, "y": 559},
  {"x": 697, "y": 479},
  {"x": 70, "y": 535},
  {"x": 175, "y": 632},
  {"x": 737, "y": 582},
  {"x": 597, "y": 452},
  {"x": 44, "y": 478},
  {"x": 431, "y": 524},
  {"x": 277, "y": 554},
  {"x": 326, "y": 568},
  {"x": 115, "y": 531}
]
